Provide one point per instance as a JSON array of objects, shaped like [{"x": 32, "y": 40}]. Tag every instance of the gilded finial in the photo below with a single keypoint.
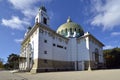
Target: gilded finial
[{"x": 69, "y": 19}]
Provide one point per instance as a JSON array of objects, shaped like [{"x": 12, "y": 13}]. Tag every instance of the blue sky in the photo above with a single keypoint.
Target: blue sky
[{"x": 100, "y": 17}]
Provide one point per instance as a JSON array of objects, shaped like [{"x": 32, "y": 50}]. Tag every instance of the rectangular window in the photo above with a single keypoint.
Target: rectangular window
[
  {"x": 44, "y": 20},
  {"x": 59, "y": 46},
  {"x": 45, "y": 52},
  {"x": 65, "y": 48},
  {"x": 54, "y": 44},
  {"x": 45, "y": 41},
  {"x": 71, "y": 31}
]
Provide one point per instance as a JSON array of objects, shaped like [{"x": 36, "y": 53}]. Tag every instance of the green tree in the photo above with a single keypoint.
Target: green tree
[
  {"x": 1, "y": 63},
  {"x": 12, "y": 62},
  {"x": 112, "y": 58}
]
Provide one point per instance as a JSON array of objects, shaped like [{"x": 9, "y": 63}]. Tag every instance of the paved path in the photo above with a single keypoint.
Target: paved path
[
  {"x": 74, "y": 75},
  {"x": 8, "y": 75}
]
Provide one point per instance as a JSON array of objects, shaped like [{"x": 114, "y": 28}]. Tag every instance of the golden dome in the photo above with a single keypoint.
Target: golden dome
[{"x": 70, "y": 27}]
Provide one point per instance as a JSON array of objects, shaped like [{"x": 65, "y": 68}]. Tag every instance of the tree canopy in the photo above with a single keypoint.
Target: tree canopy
[
  {"x": 12, "y": 62},
  {"x": 1, "y": 63},
  {"x": 112, "y": 58}
]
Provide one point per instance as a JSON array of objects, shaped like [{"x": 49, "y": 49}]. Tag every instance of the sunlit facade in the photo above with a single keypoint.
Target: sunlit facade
[{"x": 68, "y": 48}]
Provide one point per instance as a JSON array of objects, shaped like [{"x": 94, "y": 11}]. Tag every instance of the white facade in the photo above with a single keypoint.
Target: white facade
[{"x": 45, "y": 50}]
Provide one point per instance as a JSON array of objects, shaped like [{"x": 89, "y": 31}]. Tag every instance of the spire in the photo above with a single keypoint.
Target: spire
[
  {"x": 43, "y": 8},
  {"x": 69, "y": 19}
]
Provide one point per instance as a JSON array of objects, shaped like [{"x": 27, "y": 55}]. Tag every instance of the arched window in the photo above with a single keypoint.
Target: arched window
[
  {"x": 70, "y": 30},
  {"x": 66, "y": 31},
  {"x": 44, "y": 20},
  {"x": 96, "y": 55},
  {"x": 79, "y": 30},
  {"x": 75, "y": 29},
  {"x": 61, "y": 31},
  {"x": 96, "y": 50}
]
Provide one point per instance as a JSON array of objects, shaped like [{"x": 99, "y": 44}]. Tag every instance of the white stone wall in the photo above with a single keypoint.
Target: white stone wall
[
  {"x": 83, "y": 50},
  {"x": 72, "y": 49},
  {"x": 34, "y": 43},
  {"x": 45, "y": 46},
  {"x": 95, "y": 45},
  {"x": 53, "y": 52},
  {"x": 24, "y": 53},
  {"x": 59, "y": 53},
  {"x": 39, "y": 18}
]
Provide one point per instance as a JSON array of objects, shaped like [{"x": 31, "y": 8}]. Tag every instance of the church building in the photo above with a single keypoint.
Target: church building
[{"x": 68, "y": 48}]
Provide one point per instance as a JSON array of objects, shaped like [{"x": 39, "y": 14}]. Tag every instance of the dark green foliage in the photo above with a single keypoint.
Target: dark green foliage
[
  {"x": 1, "y": 63},
  {"x": 12, "y": 62},
  {"x": 112, "y": 58}
]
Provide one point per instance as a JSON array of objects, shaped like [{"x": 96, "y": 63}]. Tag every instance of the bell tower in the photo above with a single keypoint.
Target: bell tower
[{"x": 42, "y": 16}]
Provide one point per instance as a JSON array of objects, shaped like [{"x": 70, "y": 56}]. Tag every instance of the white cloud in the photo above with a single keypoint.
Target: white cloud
[
  {"x": 18, "y": 40},
  {"x": 25, "y": 6},
  {"x": 29, "y": 13},
  {"x": 28, "y": 8},
  {"x": 15, "y": 23},
  {"x": 115, "y": 33},
  {"x": 107, "y": 13},
  {"x": 108, "y": 47}
]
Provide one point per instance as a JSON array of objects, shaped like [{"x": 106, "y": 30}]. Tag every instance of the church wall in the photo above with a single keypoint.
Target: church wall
[
  {"x": 34, "y": 46},
  {"x": 53, "y": 52},
  {"x": 93, "y": 46},
  {"x": 45, "y": 46},
  {"x": 37, "y": 18},
  {"x": 52, "y": 65},
  {"x": 29, "y": 51},
  {"x": 71, "y": 51},
  {"x": 60, "y": 49},
  {"x": 24, "y": 54},
  {"x": 53, "y": 48},
  {"x": 83, "y": 51},
  {"x": 34, "y": 42}
]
